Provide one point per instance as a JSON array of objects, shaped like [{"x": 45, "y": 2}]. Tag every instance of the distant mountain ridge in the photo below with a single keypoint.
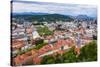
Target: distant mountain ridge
[
  {"x": 41, "y": 17},
  {"x": 84, "y": 17}
]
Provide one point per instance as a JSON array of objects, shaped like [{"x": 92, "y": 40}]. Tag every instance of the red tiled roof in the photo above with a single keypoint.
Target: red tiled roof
[
  {"x": 21, "y": 58},
  {"x": 36, "y": 60},
  {"x": 60, "y": 52},
  {"x": 17, "y": 44}
]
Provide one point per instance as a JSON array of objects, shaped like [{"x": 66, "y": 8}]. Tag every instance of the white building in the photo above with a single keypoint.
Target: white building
[{"x": 35, "y": 34}]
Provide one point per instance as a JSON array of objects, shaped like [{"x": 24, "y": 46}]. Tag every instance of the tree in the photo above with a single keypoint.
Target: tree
[
  {"x": 44, "y": 31},
  {"x": 89, "y": 52},
  {"x": 48, "y": 60},
  {"x": 70, "y": 56}
]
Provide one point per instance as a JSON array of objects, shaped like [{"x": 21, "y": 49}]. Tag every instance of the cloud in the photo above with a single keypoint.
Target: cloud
[{"x": 43, "y": 7}]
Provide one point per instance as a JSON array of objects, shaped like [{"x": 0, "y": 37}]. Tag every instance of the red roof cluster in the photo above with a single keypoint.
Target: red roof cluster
[
  {"x": 16, "y": 44},
  {"x": 21, "y": 58}
]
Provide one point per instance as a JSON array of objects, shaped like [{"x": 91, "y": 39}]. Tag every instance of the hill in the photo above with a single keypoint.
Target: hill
[{"x": 42, "y": 17}]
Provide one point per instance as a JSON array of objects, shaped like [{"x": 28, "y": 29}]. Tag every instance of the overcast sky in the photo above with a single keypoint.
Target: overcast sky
[{"x": 44, "y": 7}]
